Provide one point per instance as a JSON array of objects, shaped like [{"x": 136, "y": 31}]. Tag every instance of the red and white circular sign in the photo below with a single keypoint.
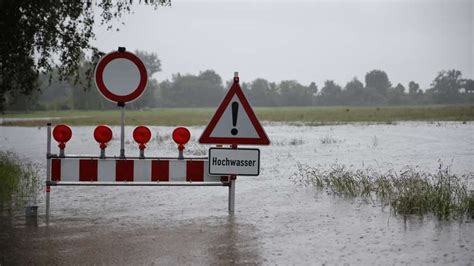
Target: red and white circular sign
[{"x": 121, "y": 76}]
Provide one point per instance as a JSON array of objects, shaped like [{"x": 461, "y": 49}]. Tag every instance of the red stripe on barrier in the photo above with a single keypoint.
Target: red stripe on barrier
[
  {"x": 195, "y": 171},
  {"x": 160, "y": 170},
  {"x": 56, "y": 170},
  {"x": 124, "y": 170},
  {"x": 88, "y": 170}
]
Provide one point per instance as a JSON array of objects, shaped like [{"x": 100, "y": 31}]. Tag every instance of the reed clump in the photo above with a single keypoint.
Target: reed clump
[
  {"x": 407, "y": 192},
  {"x": 19, "y": 182}
]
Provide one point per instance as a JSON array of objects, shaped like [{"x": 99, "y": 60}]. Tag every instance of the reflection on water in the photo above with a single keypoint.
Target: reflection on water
[
  {"x": 214, "y": 240},
  {"x": 237, "y": 244},
  {"x": 275, "y": 222}
]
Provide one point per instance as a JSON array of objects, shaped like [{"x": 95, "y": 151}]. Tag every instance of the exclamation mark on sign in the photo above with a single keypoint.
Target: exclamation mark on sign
[{"x": 235, "y": 112}]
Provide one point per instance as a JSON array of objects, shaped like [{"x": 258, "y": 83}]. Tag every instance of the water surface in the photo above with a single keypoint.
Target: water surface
[{"x": 275, "y": 221}]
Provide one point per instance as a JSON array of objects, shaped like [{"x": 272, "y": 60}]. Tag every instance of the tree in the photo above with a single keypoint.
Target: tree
[
  {"x": 396, "y": 95},
  {"x": 378, "y": 80},
  {"x": 413, "y": 88},
  {"x": 259, "y": 93},
  {"x": 190, "y": 90},
  {"x": 354, "y": 92},
  {"x": 313, "y": 88},
  {"x": 354, "y": 87},
  {"x": 446, "y": 86},
  {"x": 447, "y": 82},
  {"x": 150, "y": 60},
  {"x": 293, "y": 93},
  {"x": 469, "y": 86},
  {"x": 330, "y": 93},
  {"x": 55, "y": 94},
  {"x": 153, "y": 65},
  {"x": 399, "y": 89},
  {"x": 82, "y": 97},
  {"x": 330, "y": 89},
  {"x": 37, "y": 36}
]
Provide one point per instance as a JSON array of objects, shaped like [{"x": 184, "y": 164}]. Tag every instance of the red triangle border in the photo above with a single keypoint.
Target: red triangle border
[{"x": 206, "y": 135}]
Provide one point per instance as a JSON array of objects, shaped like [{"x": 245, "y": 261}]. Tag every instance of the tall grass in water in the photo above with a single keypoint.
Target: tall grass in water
[
  {"x": 19, "y": 182},
  {"x": 408, "y": 192}
]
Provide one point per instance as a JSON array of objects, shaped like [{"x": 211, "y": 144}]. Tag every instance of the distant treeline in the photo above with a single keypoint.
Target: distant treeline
[{"x": 207, "y": 89}]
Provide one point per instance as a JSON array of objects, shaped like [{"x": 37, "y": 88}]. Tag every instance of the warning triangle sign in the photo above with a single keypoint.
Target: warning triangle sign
[{"x": 234, "y": 122}]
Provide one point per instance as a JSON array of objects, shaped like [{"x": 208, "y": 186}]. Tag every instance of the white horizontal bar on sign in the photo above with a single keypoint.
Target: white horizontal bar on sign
[{"x": 225, "y": 161}]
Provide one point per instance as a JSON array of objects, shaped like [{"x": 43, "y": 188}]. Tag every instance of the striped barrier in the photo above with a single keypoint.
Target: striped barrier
[
  {"x": 85, "y": 170},
  {"x": 131, "y": 170}
]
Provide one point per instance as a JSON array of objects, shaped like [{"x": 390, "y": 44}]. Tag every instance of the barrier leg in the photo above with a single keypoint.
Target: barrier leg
[
  {"x": 232, "y": 194},
  {"x": 47, "y": 204},
  {"x": 48, "y": 169}
]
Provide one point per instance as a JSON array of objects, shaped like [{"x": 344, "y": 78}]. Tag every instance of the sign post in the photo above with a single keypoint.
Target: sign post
[
  {"x": 122, "y": 129},
  {"x": 231, "y": 200},
  {"x": 121, "y": 77},
  {"x": 234, "y": 123}
]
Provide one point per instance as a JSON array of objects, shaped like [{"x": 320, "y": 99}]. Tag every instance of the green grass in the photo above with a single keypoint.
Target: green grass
[
  {"x": 19, "y": 182},
  {"x": 408, "y": 192},
  {"x": 305, "y": 115}
]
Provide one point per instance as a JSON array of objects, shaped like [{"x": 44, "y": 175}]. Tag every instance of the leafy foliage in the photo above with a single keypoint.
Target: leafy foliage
[
  {"x": 39, "y": 36},
  {"x": 446, "y": 86},
  {"x": 413, "y": 88},
  {"x": 64, "y": 95},
  {"x": 188, "y": 90},
  {"x": 378, "y": 80},
  {"x": 206, "y": 89},
  {"x": 330, "y": 93}
]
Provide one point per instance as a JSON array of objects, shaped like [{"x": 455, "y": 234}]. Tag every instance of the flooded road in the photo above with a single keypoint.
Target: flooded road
[{"x": 276, "y": 221}]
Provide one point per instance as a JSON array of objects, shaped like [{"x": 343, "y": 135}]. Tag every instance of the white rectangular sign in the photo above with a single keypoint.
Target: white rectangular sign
[{"x": 227, "y": 161}]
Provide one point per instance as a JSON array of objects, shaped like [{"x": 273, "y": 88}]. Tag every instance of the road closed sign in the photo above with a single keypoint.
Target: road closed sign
[
  {"x": 227, "y": 161},
  {"x": 121, "y": 76}
]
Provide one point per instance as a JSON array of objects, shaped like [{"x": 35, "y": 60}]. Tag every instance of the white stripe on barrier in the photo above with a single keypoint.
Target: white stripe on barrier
[
  {"x": 207, "y": 177},
  {"x": 106, "y": 170},
  {"x": 177, "y": 170},
  {"x": 142, "y": 170},
  {"x": 69, "y": 170}
]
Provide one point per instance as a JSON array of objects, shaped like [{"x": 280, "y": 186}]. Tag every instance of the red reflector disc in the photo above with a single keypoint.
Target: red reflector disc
[
  {"x": 62, "y": 133},
  {"x": 141, "y": 134},
  {"x": 181, "y": 135},
  {"x": 102, "y": 134}
]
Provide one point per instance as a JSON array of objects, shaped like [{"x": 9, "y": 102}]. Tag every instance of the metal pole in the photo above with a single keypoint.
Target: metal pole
[
  {"x": 233, "y": 177},
  {"x": 61, "y": 153},
  {"x": 48, "y": 169},
  {"x": 122, "y": 132},
  {"x": 122, "y": 126},
  {"x": 231, "y": 194},
  {"x": 232, "y": 188}
]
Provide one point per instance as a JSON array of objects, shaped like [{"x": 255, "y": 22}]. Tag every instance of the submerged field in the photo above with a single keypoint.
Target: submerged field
[
  {"x": 200, "y": 116},
  {"x": 276, "y": 221}
]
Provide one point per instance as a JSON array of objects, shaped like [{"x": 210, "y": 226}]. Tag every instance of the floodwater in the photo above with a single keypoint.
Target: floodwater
[{"x": 275, "y": 222}]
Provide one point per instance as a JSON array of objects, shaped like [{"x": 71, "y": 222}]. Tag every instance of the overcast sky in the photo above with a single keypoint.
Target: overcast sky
[{"x": 303, "y": 40}]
